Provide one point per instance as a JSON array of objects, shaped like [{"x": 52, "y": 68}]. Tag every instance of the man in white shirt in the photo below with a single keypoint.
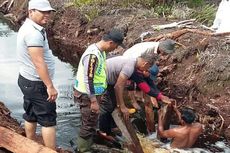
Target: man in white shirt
[
  {"x": 37, "y": 66},
  {"x": 162, "y": 47}
]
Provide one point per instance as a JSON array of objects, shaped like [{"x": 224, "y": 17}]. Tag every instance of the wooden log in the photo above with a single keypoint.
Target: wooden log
[
  {"x": 172, "y": 35},
  {"x": 180, "y": 24},
  {"x": 176, "y": 34},
  {"x": 167, "y": 114},
  {"x": 132, "y": 141},
  {"x": 150, "y": 123},
  {"x": 17, "y": 143}
]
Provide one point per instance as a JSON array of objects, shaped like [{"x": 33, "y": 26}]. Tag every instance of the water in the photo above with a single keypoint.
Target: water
[
  {"x": 219, "y": 145},
  {"x": 68, "y": 119}
]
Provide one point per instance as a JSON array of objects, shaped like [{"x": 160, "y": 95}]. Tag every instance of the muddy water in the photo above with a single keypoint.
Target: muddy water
[{"x": 68, "y": 114}]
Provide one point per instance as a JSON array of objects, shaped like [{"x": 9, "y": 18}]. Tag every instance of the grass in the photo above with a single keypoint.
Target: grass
[
  {"x": 205, "y": 14},
  {"x": 90, "y": 8}
]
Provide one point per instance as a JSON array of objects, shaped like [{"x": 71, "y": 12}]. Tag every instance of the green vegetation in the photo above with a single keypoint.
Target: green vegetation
[
  {"x": 163, "y": 10},
  {"x": 202, "y": 11},
  {"x": 204, "y": 15},
  {"x": 91, "y": 8},
  {"x": 82, "y": 3}
]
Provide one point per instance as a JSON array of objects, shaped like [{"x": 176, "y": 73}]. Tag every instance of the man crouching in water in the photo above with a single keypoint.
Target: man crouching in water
[{"x": 185, "y": 135}]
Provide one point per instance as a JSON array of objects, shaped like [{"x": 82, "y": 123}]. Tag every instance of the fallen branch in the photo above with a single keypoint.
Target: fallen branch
[
  {"x": 17, "y": 143},
  {"x": 181, "y": 24},
  {"x": 172, "y": 35},
  {"x": 218, "y": 111},
  {"x": 222, "y": 123}
]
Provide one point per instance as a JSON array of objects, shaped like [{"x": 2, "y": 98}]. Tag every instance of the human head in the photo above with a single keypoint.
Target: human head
[
  {"x": 39, "y": 11},
  {"x": 187, "y": 115},
  {"x": 146, "y": 60},
  {"x": 113, "y": 39},
  {"x": 166, "y": 46}
]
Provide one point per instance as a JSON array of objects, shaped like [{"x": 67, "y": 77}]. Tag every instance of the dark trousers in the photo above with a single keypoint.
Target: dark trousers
[
  {"x": 89, "y": 118},
  {"x": 107, "y": 106}
]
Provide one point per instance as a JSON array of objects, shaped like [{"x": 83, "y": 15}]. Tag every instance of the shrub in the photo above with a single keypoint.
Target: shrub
[{"x": 204, "y": 15}]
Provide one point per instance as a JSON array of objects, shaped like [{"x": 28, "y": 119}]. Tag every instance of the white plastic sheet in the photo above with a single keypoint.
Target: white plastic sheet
[{"x": 222, "y": 20}]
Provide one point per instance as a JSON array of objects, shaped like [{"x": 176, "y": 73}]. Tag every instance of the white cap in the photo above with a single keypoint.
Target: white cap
[{"x": 41, "y": 5}]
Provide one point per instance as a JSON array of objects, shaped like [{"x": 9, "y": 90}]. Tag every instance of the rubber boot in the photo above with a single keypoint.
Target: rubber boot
[{"x": 84, "y": 145}]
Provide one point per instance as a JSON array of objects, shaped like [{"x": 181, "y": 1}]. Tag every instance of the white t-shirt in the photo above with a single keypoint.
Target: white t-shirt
[
  {"x": 33, "y": 35},
  {"x": 136, "y": 50}
]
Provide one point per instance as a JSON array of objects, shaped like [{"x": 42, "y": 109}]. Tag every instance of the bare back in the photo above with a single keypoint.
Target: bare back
[{"x": 185, "y": 136}]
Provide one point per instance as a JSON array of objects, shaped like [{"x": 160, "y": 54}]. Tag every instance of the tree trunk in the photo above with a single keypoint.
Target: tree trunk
[{"x": 16, "y": 143}]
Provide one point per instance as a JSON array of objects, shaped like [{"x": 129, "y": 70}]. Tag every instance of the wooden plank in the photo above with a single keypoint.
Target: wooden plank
[
  {"x": 149, "y": 113},
  {"x": 17, "y": 143},
  {"x": 167, "y": 114},
  {"x": 132, "y": 141}
]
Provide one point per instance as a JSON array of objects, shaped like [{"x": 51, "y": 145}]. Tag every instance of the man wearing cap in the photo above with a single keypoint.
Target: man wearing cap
[
  {"x": 91, "y": 83},
  {"x": 162, "y": 47},
  {"x": 144, "y": 80},
  {"x": 36, "y": 73}
]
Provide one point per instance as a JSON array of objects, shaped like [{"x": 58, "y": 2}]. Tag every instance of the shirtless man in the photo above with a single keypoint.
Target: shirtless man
[{"x": 185, "y": 135}]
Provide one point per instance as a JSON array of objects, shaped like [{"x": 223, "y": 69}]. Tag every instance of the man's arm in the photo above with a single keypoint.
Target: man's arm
[
  {"x": 143, "y": 85},
  {"x": 36, "y": 54},
  {"x": 171, "y": 133},
  {"x": 149, "y": 89},
  {"x": 154, "y": 89},
  {"x": 119, "y": 90},
  {"x": 178, "y": 114},
  {"x": 90, "y": 65}
]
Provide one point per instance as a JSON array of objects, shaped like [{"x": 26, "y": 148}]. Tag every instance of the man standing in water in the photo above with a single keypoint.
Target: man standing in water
[
  {"x": 91, "y": 84},
  {"x": 36, "y": 73},
  {"x": 185, "y": 135}
]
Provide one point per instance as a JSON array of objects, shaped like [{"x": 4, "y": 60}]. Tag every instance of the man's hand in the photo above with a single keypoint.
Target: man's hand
[
  {"x": 94, "y": 107},
  {"x": 125, "y": 112},
  {"x": 136, "y": 106},
  {"x": 165, "y": 99},
  {"x": 52, "y": 94}
]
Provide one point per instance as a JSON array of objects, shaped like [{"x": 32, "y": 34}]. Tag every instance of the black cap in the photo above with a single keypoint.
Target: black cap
[{"x": 116, "y": 36}]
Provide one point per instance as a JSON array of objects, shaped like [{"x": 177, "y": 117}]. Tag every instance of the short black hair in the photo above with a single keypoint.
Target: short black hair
[
  {"x": 115, "y": 35},
  {"x": 188, "y": 115}
]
